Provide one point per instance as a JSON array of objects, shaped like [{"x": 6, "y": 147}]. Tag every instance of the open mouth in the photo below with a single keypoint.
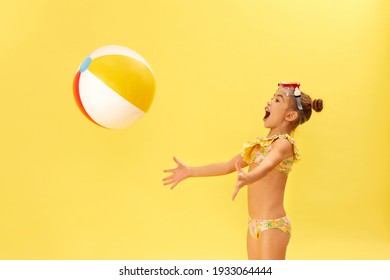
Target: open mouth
[{"x": 267, "y": 114}]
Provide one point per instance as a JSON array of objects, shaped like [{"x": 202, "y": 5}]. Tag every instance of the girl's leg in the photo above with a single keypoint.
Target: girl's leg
[
  {"x": 273, "y": 244},
  {"x": 253, "y": 247}
]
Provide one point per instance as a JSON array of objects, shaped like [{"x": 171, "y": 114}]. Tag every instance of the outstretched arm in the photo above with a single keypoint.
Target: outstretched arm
[{"x": 183, "y": 171}]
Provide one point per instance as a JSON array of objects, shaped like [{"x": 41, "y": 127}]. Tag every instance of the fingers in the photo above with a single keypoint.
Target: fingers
[
  {"x": 177, "y": 161},
  {"x": 236, "y": 190},
  {"x": 174, "y": 185},
  {"x": 168, "y": 170},
  {"x": 173, "y": 169},
  {"x": 171, "y": 181},
  {"x": 168, "y": 182},
  {"x": 168, "y": 178}
]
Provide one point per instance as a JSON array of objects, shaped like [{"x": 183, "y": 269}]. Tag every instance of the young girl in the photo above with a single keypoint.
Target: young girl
[{"x": 270, "y": 159}]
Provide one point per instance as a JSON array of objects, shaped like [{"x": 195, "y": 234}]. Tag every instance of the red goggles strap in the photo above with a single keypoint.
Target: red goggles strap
[{"x": 286, "y": 84}]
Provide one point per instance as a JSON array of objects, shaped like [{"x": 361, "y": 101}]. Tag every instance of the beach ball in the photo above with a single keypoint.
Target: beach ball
[{"x": 114, "y": 87}]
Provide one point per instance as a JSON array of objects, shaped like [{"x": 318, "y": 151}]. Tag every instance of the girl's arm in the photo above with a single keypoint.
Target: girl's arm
[
  {"x": 183, "y": 171},
  {"x": 281, "y": 149}
]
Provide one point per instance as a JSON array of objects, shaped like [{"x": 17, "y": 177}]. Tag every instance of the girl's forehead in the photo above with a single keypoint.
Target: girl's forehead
[
  {"x": 281, "y": 91},
  {"x": 285, "y": 91}
]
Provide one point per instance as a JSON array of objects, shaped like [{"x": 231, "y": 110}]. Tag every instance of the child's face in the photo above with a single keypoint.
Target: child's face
[{"x": 277, "y": 109}]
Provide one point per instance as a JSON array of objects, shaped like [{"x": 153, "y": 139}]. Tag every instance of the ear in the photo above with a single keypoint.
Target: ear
[{"x": 292, "y": 116}]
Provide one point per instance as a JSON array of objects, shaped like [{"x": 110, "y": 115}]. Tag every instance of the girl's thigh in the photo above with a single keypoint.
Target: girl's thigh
[
  {"x": 273, "y": 244},
  {"x": 253, "y": 247}
]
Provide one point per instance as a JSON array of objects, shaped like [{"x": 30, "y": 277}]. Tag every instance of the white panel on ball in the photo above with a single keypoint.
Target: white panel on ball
[{"x": 104, "y": 105}]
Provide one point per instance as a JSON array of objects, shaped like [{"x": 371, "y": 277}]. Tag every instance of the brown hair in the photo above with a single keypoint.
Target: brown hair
[{"x": 307, "y": 105}]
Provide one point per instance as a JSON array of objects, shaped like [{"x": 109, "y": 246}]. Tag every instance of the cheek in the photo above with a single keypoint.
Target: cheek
[
  {"x": 280, "y": 108},
  {"x": 284, "y": 108},
  {"x": 281, "y": 112}
]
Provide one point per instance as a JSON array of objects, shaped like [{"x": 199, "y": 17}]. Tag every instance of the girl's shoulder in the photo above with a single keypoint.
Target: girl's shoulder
[
  {"x": 269, "y": 140},
  {"x": 266, "y": 141},
  {"x": 292, "y": 141}
]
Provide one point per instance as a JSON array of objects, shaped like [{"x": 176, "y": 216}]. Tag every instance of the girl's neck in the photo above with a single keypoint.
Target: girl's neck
[{"x": 276, "y": 131}]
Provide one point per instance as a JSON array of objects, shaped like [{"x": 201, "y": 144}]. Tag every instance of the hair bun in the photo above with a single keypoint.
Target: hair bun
[{"x": 317, "y": 105}]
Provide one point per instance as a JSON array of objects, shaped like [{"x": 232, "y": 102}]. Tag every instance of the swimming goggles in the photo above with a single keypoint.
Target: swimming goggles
[{"x": 297, "y": 92}]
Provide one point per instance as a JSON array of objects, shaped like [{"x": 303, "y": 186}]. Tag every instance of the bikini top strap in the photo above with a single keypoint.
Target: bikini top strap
[{"x": 297, "y": 155}]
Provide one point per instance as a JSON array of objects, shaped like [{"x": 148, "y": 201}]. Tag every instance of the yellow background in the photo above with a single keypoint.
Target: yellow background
[{"x": 72, "y": 190}]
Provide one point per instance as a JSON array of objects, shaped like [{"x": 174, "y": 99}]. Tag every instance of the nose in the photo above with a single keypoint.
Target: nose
[{"x": 269, "y": 102}]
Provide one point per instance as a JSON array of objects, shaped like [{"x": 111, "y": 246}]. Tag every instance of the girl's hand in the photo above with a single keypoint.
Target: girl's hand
[
  {"x": 179, "y": 173},
  {"x": 242, "y": 180}
]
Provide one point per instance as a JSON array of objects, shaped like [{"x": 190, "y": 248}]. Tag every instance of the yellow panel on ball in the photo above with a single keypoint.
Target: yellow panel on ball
[{"x": 129, "y": 77}]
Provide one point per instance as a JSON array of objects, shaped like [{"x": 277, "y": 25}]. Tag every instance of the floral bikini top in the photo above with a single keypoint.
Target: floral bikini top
[{"x": 255, "y": 151}]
